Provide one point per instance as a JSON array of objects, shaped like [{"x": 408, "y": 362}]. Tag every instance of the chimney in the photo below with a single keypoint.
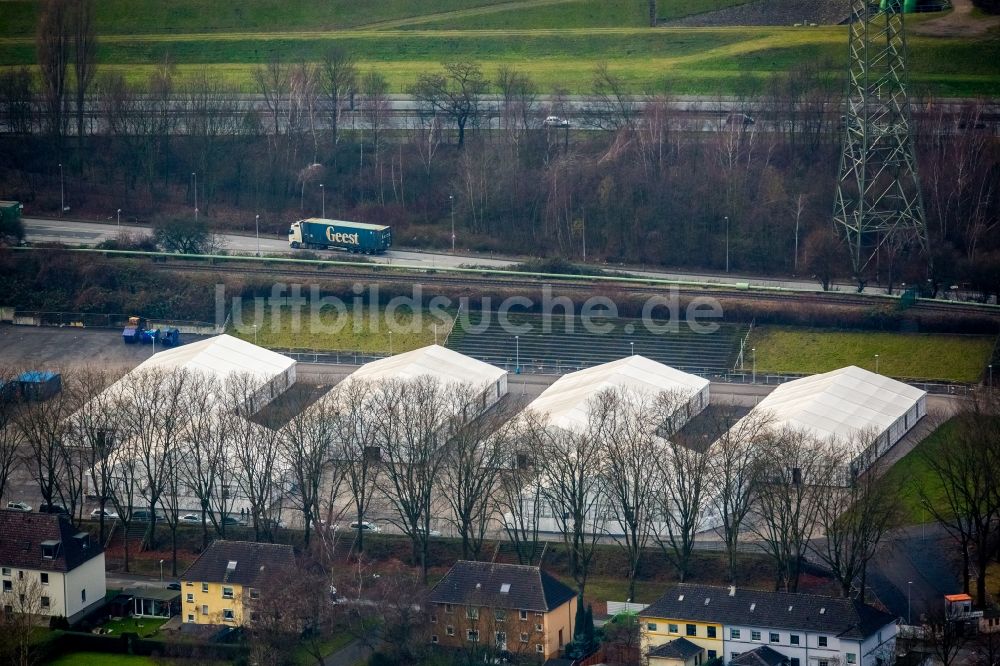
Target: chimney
[{"x": 732, "y": 590}]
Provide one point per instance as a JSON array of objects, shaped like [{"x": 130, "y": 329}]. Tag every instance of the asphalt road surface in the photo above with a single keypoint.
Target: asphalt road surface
[{"x": 72, "y": 232}]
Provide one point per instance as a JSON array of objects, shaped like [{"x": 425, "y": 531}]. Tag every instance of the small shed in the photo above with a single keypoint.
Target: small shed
[
  {"x": 120, "y": 605},
  {"x": 38, "y": 384}
]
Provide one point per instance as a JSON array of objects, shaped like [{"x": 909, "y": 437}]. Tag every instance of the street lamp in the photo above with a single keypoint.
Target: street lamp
[
  {"x": 876, "y": 363},
  {"x": 62, "y": 192},
  {"x": 119, "y": 219},
  {"x": 451, "y": 198},
  {"x": 517, "y": 353},
  {"x": 991, "y": 375},
  {"x": 195, "y": 177},
  {"x": 256, "y": 221},
  {"x": 632, "y": 345},
  {"x": 255, "y": 333},
  {"x": 161, "y": 571},
  {"x": 322, "y": 191},
  {"x": 753, "y": 352},
  {"x": 909, "y": 585},
  {"x": 390, "y": 343},
  {"x": 727, "y": 243}
]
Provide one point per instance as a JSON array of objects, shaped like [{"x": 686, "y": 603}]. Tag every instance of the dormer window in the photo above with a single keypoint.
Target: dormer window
[
  {"x": 83, "y": 539},
  {"x": 50, "y": 549}
]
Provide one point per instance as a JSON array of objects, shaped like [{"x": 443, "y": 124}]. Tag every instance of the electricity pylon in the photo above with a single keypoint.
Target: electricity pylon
[{"x": 878, "y": 193}]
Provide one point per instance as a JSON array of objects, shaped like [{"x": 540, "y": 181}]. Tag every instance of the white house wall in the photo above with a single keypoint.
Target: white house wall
[
  {"x": 88, "y": 576},
  {"x": 809, "y": 652}
]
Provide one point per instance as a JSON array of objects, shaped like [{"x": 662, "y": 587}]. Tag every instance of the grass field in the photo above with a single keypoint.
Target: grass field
[
  {"x": 960, "y": 358},
  {"x": 558, "y": 42},
  {"x": 912, "y": 474},
  {"x": 104, "y": 659},
  {"x": 368, "y": 333}
]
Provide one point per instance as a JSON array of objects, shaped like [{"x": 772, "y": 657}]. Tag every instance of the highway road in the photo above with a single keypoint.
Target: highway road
[{"x": 75, "y": 232}]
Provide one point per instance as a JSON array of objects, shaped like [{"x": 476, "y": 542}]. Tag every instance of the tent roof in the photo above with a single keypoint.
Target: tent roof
[
  {"x": 222, "y": 356},
  {"x": 566, "y": 401},
  {"x": 445, "y": 365},
  {"x": 841, "y": 402}
]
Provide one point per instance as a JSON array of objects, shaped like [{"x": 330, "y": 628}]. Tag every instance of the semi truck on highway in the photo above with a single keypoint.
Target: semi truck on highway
[{"x": 355, "y": 237}]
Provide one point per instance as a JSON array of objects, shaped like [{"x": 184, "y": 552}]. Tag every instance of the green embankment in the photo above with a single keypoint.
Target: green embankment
[{"x": 959, "y": 358}]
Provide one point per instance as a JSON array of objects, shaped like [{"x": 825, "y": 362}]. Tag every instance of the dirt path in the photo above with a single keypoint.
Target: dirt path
[{"x": 957, "y": 23}]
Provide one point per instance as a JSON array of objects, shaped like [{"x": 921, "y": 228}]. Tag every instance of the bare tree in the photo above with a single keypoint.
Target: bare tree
[
  {"x": 734, "y": 472},
  {"x": 125, "y": 480},
  {"x": 17, "y": 100},
  {"x": 854, "y": 518},
  {"x": 796, "y": 470},
  {"x": 307, "y": 452},
  {"x": 84, "y": 46},
  {"x": 10, "y": 434},
  {"x": 375, "y": 110},
  {"x": 44, "y": 428},
  {"x": 457, "y": 93},
  {"x": 19, "y": 616},
  {"x": 969, "y": 506},
  {"x": 519, "y": 494},
  {"x": 53, "y": 52},
  {"x": 572, "y": 488},
  {"x": 628, "y": 433},
  {"x": 414, "y": 426},
  {"x": 612, "y": 106},
  {"x": 338, "y": 73},
  {"x": 682, "y": 477},
  {"x": 477, "y": 455},
  {"x": 204, "y": 450}
]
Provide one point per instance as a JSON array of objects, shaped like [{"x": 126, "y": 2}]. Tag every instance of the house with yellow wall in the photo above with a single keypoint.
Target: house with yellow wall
[{"x": 227, "y": 577}]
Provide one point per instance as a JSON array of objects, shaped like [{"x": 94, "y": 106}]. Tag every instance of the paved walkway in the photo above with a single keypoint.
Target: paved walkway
[{"x": 351, "y": 654}]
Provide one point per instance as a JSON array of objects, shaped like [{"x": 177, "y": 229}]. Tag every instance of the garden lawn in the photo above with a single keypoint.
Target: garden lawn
[
  {"x": 959, "y": 358},
  {"x": 102, "y": 659},
  {"x": 341, "y": 331},
  {"x": 144, "y": 626}
]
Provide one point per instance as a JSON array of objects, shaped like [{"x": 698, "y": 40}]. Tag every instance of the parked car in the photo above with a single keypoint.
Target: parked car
[
  {"x": 190, "y": 518},
  {"x": 738, "y": 119},
  {"x": 432, "y": 533},
  {"x": 53, "y": 508},
  {"x": 555, "y": 121},
  {"x": 142, "y": 515},
  {"x": 365, "y": 526},
  {"x": 18, "y": 506},
  {"x": 109, "y": 515},
  {"x": 231, "y": 520}
]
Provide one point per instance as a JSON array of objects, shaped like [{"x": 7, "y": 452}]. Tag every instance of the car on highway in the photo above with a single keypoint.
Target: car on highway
[
  {"x": 190, "y": 518},
  {"x": 738, "y": 120},
  {"x": 555, "y": 121},
  {"x": 96, "y": 514},
  {"x": 18, "y": 506},
  {"x": 53, "y": 508}
]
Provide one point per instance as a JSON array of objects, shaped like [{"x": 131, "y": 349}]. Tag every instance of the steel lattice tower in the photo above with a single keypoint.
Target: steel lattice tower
[{"x": 878, "y": 193}]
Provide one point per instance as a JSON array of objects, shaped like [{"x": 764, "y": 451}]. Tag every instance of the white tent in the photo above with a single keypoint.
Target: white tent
[
  {"x": 567, "y": 400},
  {"x": 224, "y": 356},
  {"x": 838, "y": 405},
  {"x": 443, "y": 364}
]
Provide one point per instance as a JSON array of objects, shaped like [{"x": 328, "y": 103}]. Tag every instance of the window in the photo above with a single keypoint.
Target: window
[
  {"x": 188, "y": 584},
  {"x": 227, "y": 593},
  {"x": 434, "y": 619},
  {"x": 45, "y": 602},
  {"x": 822, "y": 641},
  {"x": 500, "y": 614},
  {"x": 734, "y": 634},
  {"x": 204, "y": 587},
  {"x": 190, "y": 598},
  {"x": 651, "y": 626},
  {"x": 254, "y": 593},
  {"x": 434, "y": 638},
  {"x": 190, "y": 617},
  {"x": 227, "y": 614},
  {"x": 83, "y": 594},
  {"x": 852, "y": 658},
  {"x": 204, "y": 609},
  {"x": 524, "y": 637},
  {"x": 539, "y": 649},
  {"x": 794, "y": 639},
  {"x": 524, "y": 616},
  {"x": 755, "y": 635},
  {"x": 773, "y": 637},
  {"x": 49, "y": 549},
  {"x": 711, "y": 654},
  {"x": 6, "y": 571},
  {"x": 472, "y": 635},
  {"x": 7, "y": 586},
  {"x": 711, "y": 632},
  {"x": 472, "y": 613},
  {"x": 45, "y": 578},
  {"x": 692, "y": 629},
  {"x": 672, "y": 628},
  {"x": 824, "y": 662},
  {"x": 449, "y": 630},
  {"x": 448, "y": 608},
  {"x": 539, "y": 628}
]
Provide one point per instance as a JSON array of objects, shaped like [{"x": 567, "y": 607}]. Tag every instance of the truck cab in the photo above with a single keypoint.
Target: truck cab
[{"x": 295, "y": 235}]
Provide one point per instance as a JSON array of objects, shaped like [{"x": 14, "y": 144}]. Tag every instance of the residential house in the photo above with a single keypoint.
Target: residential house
[
  {"x": 678, "y": 652},
  {"x": 804, "y": 629},
  {"x": 227, "y": 577},
  {"x": 519, "y": 609},
  {"x": 48, "y": 567}
]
